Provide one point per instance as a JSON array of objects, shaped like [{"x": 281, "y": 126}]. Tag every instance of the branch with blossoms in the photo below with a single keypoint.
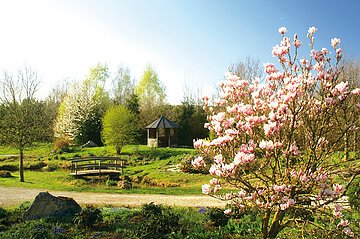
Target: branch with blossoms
[{"x": 273, "y": 140}]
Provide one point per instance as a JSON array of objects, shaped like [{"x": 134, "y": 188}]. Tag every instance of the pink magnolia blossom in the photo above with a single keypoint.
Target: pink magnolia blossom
[
  {"x": 296, "y": 42},
  {"x": 218, "y": 158},
  {"x": 241, "y": 193},
  {"x": 303, "y": 61},
  {"x": 312, "y": 30},
  {"x": 243, "y": 158},
  {"x": 337, "y": 210},
  {"x": 214, "y": 181},
  {"x": 287, "y": 204},
  {"x": 356, "y": 91},
  {"x": 206, "y": 189},
  {"x": 338, "y": 53},
  {"x": 228, "y": 212},
  {"x": 338, "y": 188},
  {"x": 282, "y": 30},
  {"x": 270, "y": 68},
  {"x": 347, "y": 231},
  {"x": 343, "y": 223},
  {"x": 198, "y": 162},
  {"x": 334, "y": 42}
]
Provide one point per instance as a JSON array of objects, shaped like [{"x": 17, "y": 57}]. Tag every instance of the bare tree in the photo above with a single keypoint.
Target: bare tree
[
  {"x": 248, "y": 69},
  {"x": 21, "y": 115}
]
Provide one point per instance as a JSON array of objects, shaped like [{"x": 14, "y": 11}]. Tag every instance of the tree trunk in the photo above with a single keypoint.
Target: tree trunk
[
  {"x": 21, "y": 165},
  {"x": 276, "y": 227},
  {"x": 118, "y": 149},
  {"x": 346, "y": 146}
]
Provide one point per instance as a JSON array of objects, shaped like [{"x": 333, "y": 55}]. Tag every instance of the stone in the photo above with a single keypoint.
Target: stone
[
  {"x": 89, "y": 144},
  {"x": 46, "y": 205}
]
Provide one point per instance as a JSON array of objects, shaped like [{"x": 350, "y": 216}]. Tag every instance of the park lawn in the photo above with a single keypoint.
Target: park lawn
[
  {"x": 151, "y": 165},
  {"x": 61, "y": 180}
]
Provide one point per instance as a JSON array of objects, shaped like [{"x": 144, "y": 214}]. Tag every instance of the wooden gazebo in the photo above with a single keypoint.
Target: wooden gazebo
[{"x": 162, "y": 133}]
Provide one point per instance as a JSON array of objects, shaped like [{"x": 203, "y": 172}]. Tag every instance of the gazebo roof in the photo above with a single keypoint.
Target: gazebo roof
[{"x": 162, "y": 122}]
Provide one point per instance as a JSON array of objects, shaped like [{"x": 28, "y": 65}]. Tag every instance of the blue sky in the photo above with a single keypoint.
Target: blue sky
[{"x": 189, "y": 42}]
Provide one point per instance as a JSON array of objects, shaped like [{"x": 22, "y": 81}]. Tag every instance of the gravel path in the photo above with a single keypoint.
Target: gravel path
[{"x": 11, "y": 196}]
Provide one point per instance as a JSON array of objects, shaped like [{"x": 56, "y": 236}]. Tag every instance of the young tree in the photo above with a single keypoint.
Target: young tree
[
  {"x": 22, "y": 117},
  {"x": 151, "y": 93},
  {"x": 256, "y": 148},
  {"x": 119, "y": 127},
  {"x": 123, "y": 86},
  {"x": 80, "y": 113}
]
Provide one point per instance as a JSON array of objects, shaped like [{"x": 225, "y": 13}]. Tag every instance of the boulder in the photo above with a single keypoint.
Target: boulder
[{"x": 46, "y": 205}]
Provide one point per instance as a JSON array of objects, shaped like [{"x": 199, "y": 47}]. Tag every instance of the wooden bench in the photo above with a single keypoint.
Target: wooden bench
[{"x": 93, "y": 166}]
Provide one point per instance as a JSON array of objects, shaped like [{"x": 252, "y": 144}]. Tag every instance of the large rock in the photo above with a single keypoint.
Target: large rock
[{"x": 46, "y": 205}]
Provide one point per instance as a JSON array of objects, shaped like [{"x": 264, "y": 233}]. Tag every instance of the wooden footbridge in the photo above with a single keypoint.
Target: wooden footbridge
[{"x": 97, "y": 166}]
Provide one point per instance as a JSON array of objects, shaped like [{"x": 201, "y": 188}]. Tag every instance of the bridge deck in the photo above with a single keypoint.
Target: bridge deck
[{"x": 95, "y": 172}]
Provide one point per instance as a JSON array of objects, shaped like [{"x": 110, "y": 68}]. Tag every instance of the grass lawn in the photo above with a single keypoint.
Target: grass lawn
[{"x": 147, "y": 167}]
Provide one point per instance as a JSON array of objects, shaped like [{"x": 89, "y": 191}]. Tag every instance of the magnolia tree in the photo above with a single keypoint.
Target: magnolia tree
[{"x": 272, "y": 139}]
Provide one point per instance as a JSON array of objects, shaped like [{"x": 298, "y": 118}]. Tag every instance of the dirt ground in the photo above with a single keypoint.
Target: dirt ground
[{"x": 11, "y": 196}]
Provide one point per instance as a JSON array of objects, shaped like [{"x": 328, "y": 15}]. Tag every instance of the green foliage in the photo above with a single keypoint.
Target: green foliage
[
  {"x": 151, "y": 93},
  {"x": 217, "y": 217},
  {"x": 123, "y": 87},
  {"x": 247, "y": 224},
  {"x": 191, "y": 119},
  {"x": 111, "y": 183},
  {"x": 3, "y": 213},
  {"x": 157, "y": 222},
  {"x": 150, "y": 87},
  {"x": 88, "y": 217},
  {"x": 353, "y": 194},
  {"x": 132, "y": 104},
  {"x": 119, "y": 127}
]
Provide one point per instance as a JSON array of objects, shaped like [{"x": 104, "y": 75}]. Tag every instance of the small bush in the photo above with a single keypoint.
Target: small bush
[
  {"x": 217, "y": 217},
  {"x": 36, "y": 165},
  {"x": 5, "y": 174},
  {"x": 88, "y": 217},
  {"x": 9, "y": 167},
  {"x": 111, "y": 183},
  {"x": 62, "y": 143},
  {"x": 157, "y": 222},
  {"x": 3, "y": 213}
]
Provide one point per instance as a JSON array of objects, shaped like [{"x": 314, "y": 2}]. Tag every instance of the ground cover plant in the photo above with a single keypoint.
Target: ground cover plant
[
  {"x": 147, "y": 221},
  {"x": 274, "y": 141}
]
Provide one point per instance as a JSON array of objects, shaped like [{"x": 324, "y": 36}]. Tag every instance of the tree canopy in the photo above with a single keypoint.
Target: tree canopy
[{"x": 119, "y": 127}]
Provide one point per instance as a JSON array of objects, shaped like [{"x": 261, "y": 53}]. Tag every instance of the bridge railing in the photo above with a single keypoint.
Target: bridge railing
[{"x": 100, "y": 165}]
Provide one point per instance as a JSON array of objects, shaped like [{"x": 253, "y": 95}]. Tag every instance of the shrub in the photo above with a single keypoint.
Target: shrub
[
  {"x": 5, "y": 174},
  {"x": 9, "y": 167},
  {"x": 3, "y": 213},
  {"x": 62, "y": 144},
  {"x": 88, "y": 217},
  {"x": 110, "y": 183},
  {"x": 36, "y": 165},
  {"x": 157, "y": 222},
  {"x": 217, "y": 217}
]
